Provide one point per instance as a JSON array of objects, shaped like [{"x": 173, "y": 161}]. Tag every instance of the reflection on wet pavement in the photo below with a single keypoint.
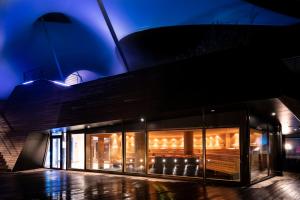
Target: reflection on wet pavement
[{"x": 52, "y": 184}]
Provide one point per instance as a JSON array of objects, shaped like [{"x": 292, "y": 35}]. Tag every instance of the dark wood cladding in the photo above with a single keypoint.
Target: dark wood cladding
[
  {"x": 181, "y": 88},
  {"x": 166, "y": 44}
]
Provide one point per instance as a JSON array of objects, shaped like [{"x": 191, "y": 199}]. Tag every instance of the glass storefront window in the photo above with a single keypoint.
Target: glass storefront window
[
  {"x": 259, "y": 154},
  {"x": 104, "y": 151},
  {"x": 292, "y": 148},
  {"x": 77, "y": 151},
  {"x": 64, "y": 150},
  {"x": 56, "y": 153},
  {"x": 135, "y": 152},
  {"x": 175, "y": 152},
  {"x": 47, "y": 158},
  {"x": 223, "y": 153}
]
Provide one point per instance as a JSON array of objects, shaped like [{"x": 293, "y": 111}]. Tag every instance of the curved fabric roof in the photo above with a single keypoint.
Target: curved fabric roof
[{"x": 29, "y": 47}]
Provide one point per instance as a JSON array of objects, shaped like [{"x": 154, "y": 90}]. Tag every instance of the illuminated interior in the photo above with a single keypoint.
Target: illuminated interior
[
  {"x": 135, "y": 152},
  {"x": 104, "y": 151},
  {"x": 175, "y": 152},
  {"x": 56, "y": 152},
  {"x": 179, "y": 152},
  {"x": 77, "y": 151},
  {"x": 47, "y": 158},
  {"x": 223, "y": 153},
  {"x": 259, "y": 154}
]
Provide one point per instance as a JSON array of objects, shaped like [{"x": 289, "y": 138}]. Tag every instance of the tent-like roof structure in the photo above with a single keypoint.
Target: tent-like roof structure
[{"x": 58, "y": 39}]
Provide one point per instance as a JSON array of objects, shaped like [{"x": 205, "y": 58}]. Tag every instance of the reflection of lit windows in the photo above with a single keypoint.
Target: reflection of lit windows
[{"x": 104, "y": 151}]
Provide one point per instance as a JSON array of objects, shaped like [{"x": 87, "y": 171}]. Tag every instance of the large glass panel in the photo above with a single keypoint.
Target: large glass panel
[
  {"x": 175, "y": 152},
  {"x": 104, "y": 151},
  {"x": 56, "y": 153},
  {"x": 223, "y": 153},
  {"x": 292, "y": 148},
  {"x": 77, "y": 151},
  {"x": 135, "y": 152},
  {"x": 292, "y": 154},
  {"x": 47, "y": 158},
  {"x": 64, "y": 150},
  {"x": 259, "y": 152}
]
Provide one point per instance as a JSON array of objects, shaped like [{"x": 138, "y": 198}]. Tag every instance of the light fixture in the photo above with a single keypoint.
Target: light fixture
[
  {"x": 273, "y": 113},
  {"x": 197, "y": 160},
  {"x": 256, "y": 149},
  {"x": 288, "y": 146},
  {"x": 60, "y": 83},
  {"x": 152, "y": 160},
  {"x": 212, "y": 110},
  {"x": 28, "y": 82},
  {"x": 164, "y": 160},
  {"x": 175, "y": 160},
  {"x": 142, "y": 119},
  {"x": 88, "y": 126},
  {"x": 185, "y": 160},
  {"x": 141, "y": 160}
]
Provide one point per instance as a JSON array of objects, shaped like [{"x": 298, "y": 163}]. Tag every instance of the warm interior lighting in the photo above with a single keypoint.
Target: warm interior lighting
[
  {"x": 273, "y": 113},
  {"x": 288, "y": 146},
  {"x": 105, "y": 151},
  {"x": 178, "y": 152},
  {"x": 256, "y": 149}
]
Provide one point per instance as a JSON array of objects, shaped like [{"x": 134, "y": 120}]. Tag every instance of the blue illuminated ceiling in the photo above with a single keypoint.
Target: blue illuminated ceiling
[{"x": 85, "y": 43}]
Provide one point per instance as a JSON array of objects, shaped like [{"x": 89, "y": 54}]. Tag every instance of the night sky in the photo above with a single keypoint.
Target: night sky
[{"x": 85, "y": 43}]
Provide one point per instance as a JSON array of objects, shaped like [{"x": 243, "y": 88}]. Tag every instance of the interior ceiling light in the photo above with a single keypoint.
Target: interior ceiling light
[{"x": 273, "y": 113}]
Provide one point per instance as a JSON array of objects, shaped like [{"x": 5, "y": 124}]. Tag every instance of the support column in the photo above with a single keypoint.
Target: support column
[
  {"x": 188, "y": 142},
  {"x": 140, "y": 143}
]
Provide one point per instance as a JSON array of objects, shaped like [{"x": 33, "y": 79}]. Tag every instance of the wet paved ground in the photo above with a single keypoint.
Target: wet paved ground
[{"x": 48, "y": 184}]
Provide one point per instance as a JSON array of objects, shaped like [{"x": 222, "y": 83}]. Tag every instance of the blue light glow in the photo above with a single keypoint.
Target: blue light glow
[
  {"x": 28, "y": 82},
  {"x": 60, "y": 83},
  {"x": 86, "y": 43}
]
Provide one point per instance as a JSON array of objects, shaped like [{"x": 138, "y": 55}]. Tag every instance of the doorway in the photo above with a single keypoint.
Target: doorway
[{"x": 56, "y": 149}]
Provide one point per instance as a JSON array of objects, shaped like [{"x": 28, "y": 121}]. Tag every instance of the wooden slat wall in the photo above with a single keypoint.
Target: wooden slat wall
[
  {"x": 163, "y": 91},
  {"x": 11, "y": 143}
]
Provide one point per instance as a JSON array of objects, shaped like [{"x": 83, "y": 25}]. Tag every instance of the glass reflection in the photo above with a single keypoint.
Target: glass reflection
[
  {"x": 175, "y": 152},
  {"x": 259, "y": 154},
  {"x": 135, "y": 152},
  {"x": 48, "y": 154},
  {"x": 223, "y": 153},
  {"x": 77, "y": 151},
  {"x": 56, "y": 153},
  {"x": 104, "y": 151}
]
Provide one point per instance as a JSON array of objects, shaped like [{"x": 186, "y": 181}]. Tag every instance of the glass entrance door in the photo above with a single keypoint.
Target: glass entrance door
[
  {"x": 56, "y": 152},
  {"x": 259, "y": 154}
]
